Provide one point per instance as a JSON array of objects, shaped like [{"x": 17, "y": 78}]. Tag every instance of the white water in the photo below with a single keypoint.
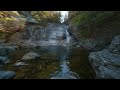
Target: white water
[
  {"x": 67, "y": 37},
  {"x": 48, "y": 36}
]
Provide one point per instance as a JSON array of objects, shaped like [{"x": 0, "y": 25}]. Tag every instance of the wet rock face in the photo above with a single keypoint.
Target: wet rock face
[
  {"x": 53, "y": 34},
  {"x": 7, "y": 74},
  {"x": 115, "y": 45},
  {"x": 37, "y": 35},
  {"x": 106, "y": 63},
  {"x": 93, "y": 44}
]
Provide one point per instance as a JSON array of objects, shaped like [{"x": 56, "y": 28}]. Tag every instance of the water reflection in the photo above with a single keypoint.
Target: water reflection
[
  {"x": 64, "y": 72},
  {"x": 70, "y": 63}
]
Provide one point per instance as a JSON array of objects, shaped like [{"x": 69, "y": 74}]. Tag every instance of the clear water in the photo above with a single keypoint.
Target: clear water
[{"x": 56, "y": 62}]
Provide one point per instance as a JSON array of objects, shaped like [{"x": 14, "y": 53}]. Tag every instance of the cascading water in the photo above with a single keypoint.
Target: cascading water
[
  {"x": 67, "y": 37},
  {"x": 51, "y": 35}
]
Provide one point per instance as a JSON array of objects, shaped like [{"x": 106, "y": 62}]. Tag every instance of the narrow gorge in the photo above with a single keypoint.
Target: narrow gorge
[{"x": 41, "y": 47}]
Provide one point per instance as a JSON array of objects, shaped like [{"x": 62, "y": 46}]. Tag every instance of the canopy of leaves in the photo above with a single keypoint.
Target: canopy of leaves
[
  {"x": 87, "y": 18},
  {"x": 12, "y": 21},
  {"x": 88, "y": 21},
  {"x": 46, "y": 16}
]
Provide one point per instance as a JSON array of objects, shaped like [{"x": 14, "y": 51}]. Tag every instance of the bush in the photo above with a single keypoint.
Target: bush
[{"x": 10, "y": 23}]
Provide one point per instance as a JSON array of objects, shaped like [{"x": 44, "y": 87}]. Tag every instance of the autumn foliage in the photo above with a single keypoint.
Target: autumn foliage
[{"x": 10, "y": 22}]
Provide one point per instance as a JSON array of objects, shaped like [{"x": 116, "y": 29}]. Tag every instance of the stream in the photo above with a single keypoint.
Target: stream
[{"x": 57, "y": 62}]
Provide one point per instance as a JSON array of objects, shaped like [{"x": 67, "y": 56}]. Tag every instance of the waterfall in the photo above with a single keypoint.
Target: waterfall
[
  {"x": 50, "y": 35},
  {"x": 67, "y": 37}
]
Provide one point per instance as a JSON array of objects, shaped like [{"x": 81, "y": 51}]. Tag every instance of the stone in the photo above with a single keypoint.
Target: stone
[
  {"x": 93, "y": 44},
  {"x": 7, "y": 74},
  {"x": 115, "y": 45},
  {"x": 20, "y": 64},
  {"x": 30, "y": 56},
  {"x": 105, "y": 64}
]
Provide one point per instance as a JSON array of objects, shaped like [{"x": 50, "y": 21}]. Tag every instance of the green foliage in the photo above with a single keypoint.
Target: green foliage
[
  {"x": 13, "y": 21},
  {"x": 46, "y": 16},
  {"x": 89, "y": 20}
]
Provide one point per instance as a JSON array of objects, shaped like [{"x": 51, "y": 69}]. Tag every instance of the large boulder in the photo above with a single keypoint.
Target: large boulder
[
  {"x": 105, "y": 64},
  {"x": 30, "y": 56},
  {"x": 7, "y": 74}
]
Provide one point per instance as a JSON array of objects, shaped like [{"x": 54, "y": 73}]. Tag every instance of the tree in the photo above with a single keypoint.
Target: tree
[
  {"x": 46, "y": 16},
  {"x": 10, "y": 23},
  {"x": 91, "y": 21}
]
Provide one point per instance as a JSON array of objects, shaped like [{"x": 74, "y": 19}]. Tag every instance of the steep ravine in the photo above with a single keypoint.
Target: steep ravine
[
  {"x": 59, "y": 51},
  {"x": 105, "y": 62},
  {"x": 43, "y": 50}
]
